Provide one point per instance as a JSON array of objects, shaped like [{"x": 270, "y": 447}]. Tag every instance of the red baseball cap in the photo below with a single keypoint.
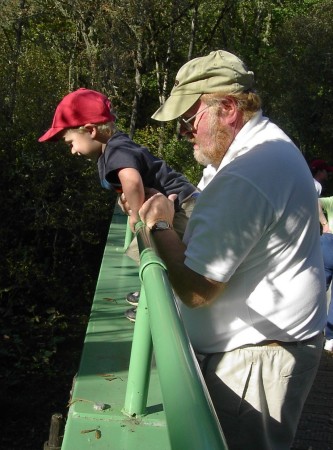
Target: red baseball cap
[
  {"x": 320, "y": 164},
  {"x": 79, "y": 108}
]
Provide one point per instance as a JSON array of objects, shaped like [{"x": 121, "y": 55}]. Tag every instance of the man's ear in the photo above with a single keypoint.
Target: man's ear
[{"x": 230, "y": 111}]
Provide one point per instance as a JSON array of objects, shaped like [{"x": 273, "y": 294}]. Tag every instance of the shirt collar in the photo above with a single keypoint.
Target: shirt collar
[{"x": 242, "y": 142}]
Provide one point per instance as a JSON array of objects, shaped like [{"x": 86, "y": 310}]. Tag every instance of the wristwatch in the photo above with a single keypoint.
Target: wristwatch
[{"x": 161, "y": 225}]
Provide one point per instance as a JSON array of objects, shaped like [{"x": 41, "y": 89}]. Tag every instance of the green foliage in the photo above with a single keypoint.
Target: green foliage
[
  {"x": 179, "y": 155},
  {"x": 301, "y": 69},
  {"x": 52, "y": 242},
  {"x": 149, "y": 137}
]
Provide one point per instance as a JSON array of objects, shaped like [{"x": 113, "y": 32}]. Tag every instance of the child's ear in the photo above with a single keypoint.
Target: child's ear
[{"x": 92, "y": 129}]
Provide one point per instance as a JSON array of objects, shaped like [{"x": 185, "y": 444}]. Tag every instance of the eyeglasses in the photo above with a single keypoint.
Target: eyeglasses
[{"x": 186, "y": 122}]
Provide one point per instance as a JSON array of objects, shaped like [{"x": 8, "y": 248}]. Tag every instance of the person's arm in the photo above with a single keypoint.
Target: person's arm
[
  {"x": 322, "y": 219},
  {"x": 132, "y": 186},
  {"x": 124, "y": 205},
  {"x": 192, "y": 288}
]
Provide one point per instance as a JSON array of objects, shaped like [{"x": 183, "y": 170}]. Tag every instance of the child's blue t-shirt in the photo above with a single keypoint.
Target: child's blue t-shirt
[{"x": 121, "y": 152}]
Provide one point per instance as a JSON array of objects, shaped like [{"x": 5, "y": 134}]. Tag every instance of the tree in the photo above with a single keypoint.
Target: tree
[{"x": 301, "y": 74}]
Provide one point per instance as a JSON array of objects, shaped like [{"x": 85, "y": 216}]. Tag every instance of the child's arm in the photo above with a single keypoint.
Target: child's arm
[
  {"x": 322, "y": 218},
  {"x": 131, "y": 183}
]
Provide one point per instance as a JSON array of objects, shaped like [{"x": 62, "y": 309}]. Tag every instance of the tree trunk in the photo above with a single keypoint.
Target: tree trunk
[{"x": 138, "y": 87}]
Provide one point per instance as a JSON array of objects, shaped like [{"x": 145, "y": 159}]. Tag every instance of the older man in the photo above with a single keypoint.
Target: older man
[{"x": 249, "y": 273}]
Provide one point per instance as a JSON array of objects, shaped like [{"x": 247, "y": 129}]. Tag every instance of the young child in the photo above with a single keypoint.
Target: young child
[{"x": 85, "y": 120}]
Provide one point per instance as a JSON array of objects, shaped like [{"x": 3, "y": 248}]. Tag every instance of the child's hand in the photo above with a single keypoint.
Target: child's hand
[
  {"x": 133, "y": 219},
  {"x": 124, "y": 205}
]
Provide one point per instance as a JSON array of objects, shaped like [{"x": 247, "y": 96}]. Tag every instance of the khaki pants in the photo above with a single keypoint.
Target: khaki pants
[{"x": 259, "y": 392}]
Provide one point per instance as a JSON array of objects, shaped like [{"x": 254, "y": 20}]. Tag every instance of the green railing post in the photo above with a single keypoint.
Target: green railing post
[
  {"x": 128, "y": 236},
  {"x": 140, "y": 363}
]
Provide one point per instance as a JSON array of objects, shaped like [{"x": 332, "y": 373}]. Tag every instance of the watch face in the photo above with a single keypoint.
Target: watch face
[{"x": 161, "y": 225}]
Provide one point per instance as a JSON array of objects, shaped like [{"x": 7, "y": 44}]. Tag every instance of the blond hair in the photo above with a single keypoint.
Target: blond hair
[{"x": 106, "y": 129}]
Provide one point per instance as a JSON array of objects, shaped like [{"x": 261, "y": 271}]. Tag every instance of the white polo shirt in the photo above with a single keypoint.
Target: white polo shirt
[{"x": 255, "y": 227}]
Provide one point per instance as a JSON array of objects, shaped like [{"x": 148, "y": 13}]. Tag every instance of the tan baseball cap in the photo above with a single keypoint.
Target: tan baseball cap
[{"x": 218, "y": 71}]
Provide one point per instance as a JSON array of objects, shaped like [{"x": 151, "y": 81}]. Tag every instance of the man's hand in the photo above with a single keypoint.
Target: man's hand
[
  {"x": 157, "y": 208},
  {"x": 193, "y": 289}
]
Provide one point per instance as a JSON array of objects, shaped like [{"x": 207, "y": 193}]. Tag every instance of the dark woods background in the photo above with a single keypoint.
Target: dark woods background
[{"x": 54, "y": 215}]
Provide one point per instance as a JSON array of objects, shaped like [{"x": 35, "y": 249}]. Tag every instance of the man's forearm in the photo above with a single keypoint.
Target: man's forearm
[{"x": 192, "y": 288}]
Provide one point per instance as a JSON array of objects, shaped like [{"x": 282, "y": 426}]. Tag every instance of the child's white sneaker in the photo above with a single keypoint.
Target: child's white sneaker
[{"x": 329, "y": 345}]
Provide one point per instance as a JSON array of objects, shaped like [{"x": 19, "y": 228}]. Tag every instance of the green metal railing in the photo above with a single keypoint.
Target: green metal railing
[
  {"x": 137, "y": 388},
  {"x": 191, "y": 419}
]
